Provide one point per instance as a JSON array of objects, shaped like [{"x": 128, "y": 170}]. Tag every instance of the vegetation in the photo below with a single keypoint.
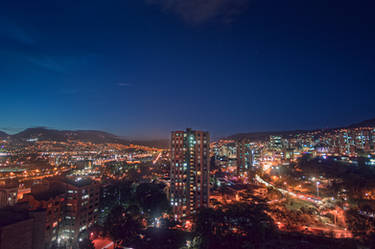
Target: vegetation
[
  {"x": 233, "y": 226},
  {"x": 123, "y": 225},
  {"x": 152, "y": 199},
  {"x": 248, "y": 226},
  {"x": 132, "y": 210},
  {"x": 354, "y": 179},
  {"x": 86, "y": 244},
  {"x": 362, "y": 227}
]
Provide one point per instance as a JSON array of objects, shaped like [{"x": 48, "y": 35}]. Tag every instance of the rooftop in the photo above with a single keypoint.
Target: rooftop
[
  {"x": 78, "y": 181},
  {"x": 10, "y": 216},
  {"x": 46, "y": 195}
]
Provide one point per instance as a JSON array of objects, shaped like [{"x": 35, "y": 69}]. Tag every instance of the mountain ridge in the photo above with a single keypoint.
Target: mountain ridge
[
  {"x": 3, "y": 134},
  {"x": 265, "y": 134},
  {"x": 94, "y": 136},
  {"x": 365, "y": 123}
]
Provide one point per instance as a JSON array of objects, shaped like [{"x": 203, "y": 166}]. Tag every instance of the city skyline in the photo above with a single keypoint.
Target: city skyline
[
  {"x": 75, "y": 193},
  {"x": 133, "y": 68},
  {"x": 187, "y": 124},
  {"x": 32, "y": 131}
]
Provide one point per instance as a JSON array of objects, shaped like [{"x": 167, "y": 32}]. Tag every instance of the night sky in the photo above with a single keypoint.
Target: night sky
[{"x": 141, "y": 68}]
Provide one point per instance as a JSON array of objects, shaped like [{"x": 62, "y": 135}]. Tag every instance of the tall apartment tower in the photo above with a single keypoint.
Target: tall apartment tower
[
  {"x": 244, "y": 158},
  {"x": 190, "y": 171}
]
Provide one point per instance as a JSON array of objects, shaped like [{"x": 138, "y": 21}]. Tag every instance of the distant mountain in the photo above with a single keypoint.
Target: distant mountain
[
  {"x": 366, "y": 123},
  {"x": 42, "y": 133},
  {"x": 39, "y": 133},
  {"x": 98, "y": 137},
  {"x": 3, "y": 135},
  {"x": 158, "y": 143},
  {"x": 265, "y": 135}
]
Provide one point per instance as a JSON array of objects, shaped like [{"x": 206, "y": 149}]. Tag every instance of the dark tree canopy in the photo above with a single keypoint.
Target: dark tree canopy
[
  {"x": 152, "y": 199},
  {"x": 123, "y": 225},
  {"x": 86, "y": 244}
]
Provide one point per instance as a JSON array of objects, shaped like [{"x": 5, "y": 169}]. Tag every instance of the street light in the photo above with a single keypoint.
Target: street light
[{"x": 317, "y": 188}]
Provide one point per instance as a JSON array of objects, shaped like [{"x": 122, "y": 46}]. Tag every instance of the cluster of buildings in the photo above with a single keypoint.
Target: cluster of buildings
[
  {"x": 58, "y": 206},
  {"x": 60, "y": 154},
  {"x": 40, "y": 160},
  {"x": 346, "y": 145},
  {"x": 191, "y": 153},
  {"x": 348, "y": 142},
  {"x": 52, "y": 192},
  {"x": 55, "y": 212}
]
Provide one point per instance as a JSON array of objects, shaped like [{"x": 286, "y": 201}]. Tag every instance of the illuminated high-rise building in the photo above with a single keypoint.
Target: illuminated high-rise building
[
  {"x": 190, "y": 172},
  {"x": 276, "y": 142},
  {"x": 244, "y": 158}
]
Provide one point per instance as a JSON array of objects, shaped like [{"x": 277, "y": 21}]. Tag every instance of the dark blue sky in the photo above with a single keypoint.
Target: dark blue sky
[{"x": 141, "y": 68}]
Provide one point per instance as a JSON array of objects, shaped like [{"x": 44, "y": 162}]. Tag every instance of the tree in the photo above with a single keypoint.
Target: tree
[
  {"x": 362, "y": 227},
  {"x": 55, "y": 245},
  {"x": 86, "y": 244},
  {"x": 196, "y": 243},
  {"x": 152, "y": 199},
  {"x": 168, "y": 223},
  {"x": 96, "y": 231},
  {"x": 123, "y": 225},
  {"x": 125, "y": 189},
  {"x": 157, "y": 238},
  {"x": 233, "y": 226},
  {"x": 213, "y": 165},
  {"x": 273, "y": 194}
]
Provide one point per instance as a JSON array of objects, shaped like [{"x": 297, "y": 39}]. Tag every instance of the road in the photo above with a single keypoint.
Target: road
[
  {"x": 287, "y": 192},
  {"x": 157, "y": 158},
  {"x": 103, "y": 244},
  {"x": 337, "y": 231}
]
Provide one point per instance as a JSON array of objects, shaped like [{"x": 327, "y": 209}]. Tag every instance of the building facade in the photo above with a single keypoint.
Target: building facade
[
  {"x": 15, "y": 232},
  {"x": 52, "y": 203},
  {"x": 8, "y": 195},
  {"x": 81, "y": 206},
  {"x": 244, "y": 158},
  {"x": 190, "y": 171}
]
